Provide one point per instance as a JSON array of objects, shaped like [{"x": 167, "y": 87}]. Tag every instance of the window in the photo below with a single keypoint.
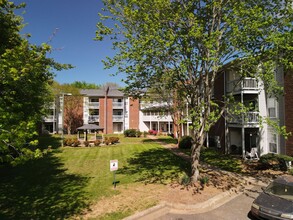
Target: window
[
  {"x": 117, "y": 100},
  {"x": 272, "y": 107},
  {"x": 273, "y": 140},
  {"x": 94, "y": 111},
  {"x": 117, "y": 112},
  {"x": 94, "y": 100}
]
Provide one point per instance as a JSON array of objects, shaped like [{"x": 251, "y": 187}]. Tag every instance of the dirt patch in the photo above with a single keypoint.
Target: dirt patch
[{"x": 138, "y": 197}]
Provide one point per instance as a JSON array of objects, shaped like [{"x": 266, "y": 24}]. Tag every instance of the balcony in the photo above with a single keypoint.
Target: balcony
[
  {"x": 94, "y": 105},
  {"x": 248, "y": 84},
  {"x": 117, "y": 118},
  {"x": 250, "y": 118},
  {"x": 94, "y": 118},
  {"x": 50, "y": 118},
  {"x": 117, "y": 105}
]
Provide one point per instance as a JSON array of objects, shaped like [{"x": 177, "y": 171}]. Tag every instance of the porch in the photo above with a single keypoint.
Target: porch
[{"x": 242, "y": 140}]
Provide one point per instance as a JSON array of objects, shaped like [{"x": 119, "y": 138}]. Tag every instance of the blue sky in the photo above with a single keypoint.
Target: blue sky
[{"x": 75, "y": 22}]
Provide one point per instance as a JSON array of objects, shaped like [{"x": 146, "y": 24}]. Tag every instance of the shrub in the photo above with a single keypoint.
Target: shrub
[
  {"x": 274, "y": 161},
  {"x": 185, "y": 142},
  {"x": 204, "y": 180},
  {"x": 76, "y": 143},
  {"x": 68, "y": 142},
  {"x": 86, "y": 143},
  {"x": 97, "y": 143},
  {"x": 138, "y": 133},
  {"x": 153, "y": 132},
  {"x": 130, "y": 133},
  {"x": 145, "y": 134},
  {"x": 113, "y": 140}
]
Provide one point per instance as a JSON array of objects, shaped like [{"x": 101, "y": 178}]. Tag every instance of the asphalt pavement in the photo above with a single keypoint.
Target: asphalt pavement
[{"x": 236, "y": 209}]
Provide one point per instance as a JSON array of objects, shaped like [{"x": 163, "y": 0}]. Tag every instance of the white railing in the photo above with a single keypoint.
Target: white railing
[
  {"x": 117, "y": 104},
  {"x": 117, "y": 118},
  {"x": 249, "y": 118},
  {"x": 50, "y": 118},
  {"x": 94, "y": 104},
  {"x": 247, "y": 83},
  {"x": 94, "y": 118}
]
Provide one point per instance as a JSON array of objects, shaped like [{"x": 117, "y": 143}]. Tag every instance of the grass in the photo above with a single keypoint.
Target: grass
[
  {"x": 67, "y": 181},
  {"x": 215, "y": 158},
  {"x": 222, "y": 161}
]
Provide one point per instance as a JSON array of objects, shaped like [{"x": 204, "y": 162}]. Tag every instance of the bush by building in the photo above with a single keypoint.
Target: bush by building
[
  {"x": 275, "y": 161},
  {"x": 185, "y": 142},
  {"x": 132, "y": 133}
]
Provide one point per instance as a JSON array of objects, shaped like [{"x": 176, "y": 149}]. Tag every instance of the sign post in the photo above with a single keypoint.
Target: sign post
[{"x": 114, "y": 167}]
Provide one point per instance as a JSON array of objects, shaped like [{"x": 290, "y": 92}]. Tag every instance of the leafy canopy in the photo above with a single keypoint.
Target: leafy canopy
[
  {"x": 183, "y": 44},
  {"x": 25, "y": 76}
]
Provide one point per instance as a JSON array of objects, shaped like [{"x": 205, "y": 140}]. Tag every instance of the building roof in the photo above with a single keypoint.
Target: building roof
[
  {"x": 111, "y": 92},
  {"x": 90, "y": 127}
]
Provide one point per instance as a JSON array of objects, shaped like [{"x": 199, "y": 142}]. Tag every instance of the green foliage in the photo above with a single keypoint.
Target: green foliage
[
  {"x": 185, "y": 180},
  {"x": 132, "y": 133},
  {"x": 84, "y": 85},
  {"x": 274, "y": 161},
  {"x": 25, "y": 76},
  {"x": 185, "y": 142},
  {"x": 204, "y": 180},
  {"x": 182, "y": 45}
]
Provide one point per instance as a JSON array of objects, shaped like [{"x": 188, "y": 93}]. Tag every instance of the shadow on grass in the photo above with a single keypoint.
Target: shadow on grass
[
  {"x": 155, "y": 166},
  {"x": 162, "y": 140},
  {"x": 222, "y": 161},
  {"x": 41, "y": 189},
  {"x": 49, "y": 140}
]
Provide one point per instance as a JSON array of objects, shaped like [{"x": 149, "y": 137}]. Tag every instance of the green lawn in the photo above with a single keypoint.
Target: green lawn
[{"x": 65, "y": 182}]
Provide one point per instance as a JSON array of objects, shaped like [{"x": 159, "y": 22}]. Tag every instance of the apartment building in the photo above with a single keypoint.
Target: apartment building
[
  {"x": 155, "y": 116},
  {"x": 237, "y": 134},
  {"x": 110, "y": 109}
]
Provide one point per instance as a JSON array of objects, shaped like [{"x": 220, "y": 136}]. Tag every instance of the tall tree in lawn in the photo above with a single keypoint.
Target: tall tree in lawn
[
  {"x": 194, "y": 38},
  {"x": 25, "y": 76},
  {"x": 73, "y": 104}
]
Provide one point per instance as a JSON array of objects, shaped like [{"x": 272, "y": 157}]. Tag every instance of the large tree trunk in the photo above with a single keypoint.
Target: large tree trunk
[{"x": 195, "y": 154}]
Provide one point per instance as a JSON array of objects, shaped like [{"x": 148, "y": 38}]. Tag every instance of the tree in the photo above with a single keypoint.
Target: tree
[
  {"x": 188, "y": 42},
  {"x": 73, "y": 104},
  {"x": 84, "y": 85},
  {"x": 25, "y": 76}
]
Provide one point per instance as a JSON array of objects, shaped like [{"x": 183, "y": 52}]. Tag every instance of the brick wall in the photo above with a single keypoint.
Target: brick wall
[
  {"x": 109, "y": 116},
  {"x": 102, "y": 114},
  {"x": 288, "y": 89},
  {"x": 133, "y": 113}
]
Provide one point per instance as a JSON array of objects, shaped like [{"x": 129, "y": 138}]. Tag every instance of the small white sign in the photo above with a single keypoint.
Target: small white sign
[{"x": 113, "y": 165}]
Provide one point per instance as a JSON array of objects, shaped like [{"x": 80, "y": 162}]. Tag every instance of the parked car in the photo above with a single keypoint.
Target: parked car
[{"x": 276, "y": 200}]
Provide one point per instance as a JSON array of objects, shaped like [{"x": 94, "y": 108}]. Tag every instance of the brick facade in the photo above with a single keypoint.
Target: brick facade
[
  {"x": 133, "y": 113},
  {"x": 288, "y": 89}
]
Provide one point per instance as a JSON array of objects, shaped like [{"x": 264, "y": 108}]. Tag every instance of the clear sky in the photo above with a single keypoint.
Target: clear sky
[{"x": 75, "y": 22}]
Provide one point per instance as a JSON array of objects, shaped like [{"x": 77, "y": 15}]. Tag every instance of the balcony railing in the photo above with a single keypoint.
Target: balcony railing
[
  {"x": 117, "y": 104},
  {"x": 94, "y": 105},
  {"x": 117, "y": 118},
  {"x": 245, "y": 84},
  {"x": 49, "y": 118},
  {"x": 94, "y": 118},
  {"x": 249, "y": 118}
]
